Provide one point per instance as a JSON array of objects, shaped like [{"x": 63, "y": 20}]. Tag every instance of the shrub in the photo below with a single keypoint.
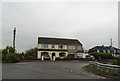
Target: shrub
[
  {"x": 117, "y": 62},
  {"x": 102, "y": 55},
  {"x": 31, "y": 53},
  {"x": 88, "y": 56},
  {"x": 9, "y": 55},
  {"x": 106, "y": 55},
  {"x": 10, "y": 58}
]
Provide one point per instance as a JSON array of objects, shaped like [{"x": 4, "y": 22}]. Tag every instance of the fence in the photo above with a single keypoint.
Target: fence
[{"x": 105, "y": 65}]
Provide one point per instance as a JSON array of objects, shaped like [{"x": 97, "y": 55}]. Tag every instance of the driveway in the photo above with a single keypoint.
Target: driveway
[{"x": 47, "y": 70}]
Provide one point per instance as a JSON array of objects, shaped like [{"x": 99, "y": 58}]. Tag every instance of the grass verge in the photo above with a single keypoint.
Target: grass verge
[{"x": 106, "y": 72}]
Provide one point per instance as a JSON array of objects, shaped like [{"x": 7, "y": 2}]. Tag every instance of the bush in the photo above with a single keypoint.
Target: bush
[
  {"x": 117, "y": 62},
  {"x": 70, "y": 56},
  {"x": 102, "y": 55},
  {"x": 31, "y": 53},
  {"x": 9, "y": 55},
  {"x": 10, "y": 58},
  {"x": 88, "y": 56}
]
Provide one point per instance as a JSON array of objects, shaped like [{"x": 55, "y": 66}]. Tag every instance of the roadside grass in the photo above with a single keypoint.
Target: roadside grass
[{"x": 106, "y": 72}]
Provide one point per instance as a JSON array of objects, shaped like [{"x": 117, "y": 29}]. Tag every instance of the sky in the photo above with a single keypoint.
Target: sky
[{"x": 92, "y": 23}]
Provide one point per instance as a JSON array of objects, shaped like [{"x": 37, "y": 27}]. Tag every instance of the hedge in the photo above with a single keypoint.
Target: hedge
[{"x": 102, "y": 55}]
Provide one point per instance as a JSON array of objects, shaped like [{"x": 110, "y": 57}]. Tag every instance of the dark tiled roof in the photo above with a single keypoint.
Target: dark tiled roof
[
  {"x": 47, "y": 40},
  {"x": 102, "y": 47}
]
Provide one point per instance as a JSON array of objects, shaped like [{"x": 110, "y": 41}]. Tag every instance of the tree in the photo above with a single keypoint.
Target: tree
[
  {"x": 9, "y": 55},
  {"x": 4, "y": 51},
  {"x": 8, "y": 49},
  {"x": 31, "y": 53},
  {"x": 11, "y": 50}
]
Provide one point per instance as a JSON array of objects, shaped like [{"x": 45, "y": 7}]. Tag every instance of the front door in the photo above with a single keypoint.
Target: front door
[{"x": 53, "y": 54}]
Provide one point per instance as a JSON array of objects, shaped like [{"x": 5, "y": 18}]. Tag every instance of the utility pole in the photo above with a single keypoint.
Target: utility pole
[
  {"x": 14, "y": 34},
  {"x": 112, "y": 48},
  {"x": 111, "y": 42}
]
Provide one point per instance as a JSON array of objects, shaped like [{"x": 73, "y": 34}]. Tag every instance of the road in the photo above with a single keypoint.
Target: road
[{"x": 47, "y": 70}]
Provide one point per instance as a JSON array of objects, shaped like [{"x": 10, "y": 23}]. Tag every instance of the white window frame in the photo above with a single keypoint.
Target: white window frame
[
  {"x": 108, "y": 51},
  {"x": 59, "y": 46},
  {"x": 71, "y": 47},
  {"x": 79, "y": 47},
  {"x": 114, "y": 51},
  {"x": 118, "y": 51},
  {"x": 104, "y": 51},
  {"x": 44, "y": 45},
  {"x": 52, "y": 45},
  {"x": 98, "y": 51}
]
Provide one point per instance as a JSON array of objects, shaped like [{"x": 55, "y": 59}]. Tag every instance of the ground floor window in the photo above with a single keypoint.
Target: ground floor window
[
  {"x": 71, "y": 56},
  {"x": 61, "y": 54},
  {"x": 45, "y": 54}
]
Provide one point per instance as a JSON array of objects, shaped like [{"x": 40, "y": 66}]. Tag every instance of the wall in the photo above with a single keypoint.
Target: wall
[
  {"x": 50, "y": 53},
  {"x": 50, "y": 46}
]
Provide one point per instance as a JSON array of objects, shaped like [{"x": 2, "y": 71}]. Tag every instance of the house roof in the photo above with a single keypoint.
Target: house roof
[
  {"x": 103, "y": 48},
  {"x": 48, "y": 40}
]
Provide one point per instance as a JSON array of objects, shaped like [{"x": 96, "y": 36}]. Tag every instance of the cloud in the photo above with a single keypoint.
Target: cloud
[{"x": 91, "y": 23}]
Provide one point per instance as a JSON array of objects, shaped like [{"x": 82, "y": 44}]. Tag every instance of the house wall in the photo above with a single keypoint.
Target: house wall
[
  {"x": 50, "y": 46},
  {"x": 56, "y": 46},
  {"x": 50, "y": 53}
]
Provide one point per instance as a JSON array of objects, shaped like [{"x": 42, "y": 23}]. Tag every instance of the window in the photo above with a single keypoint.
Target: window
[
  {"x": 61, "y": 54},
  {"x": 45, "y": 54},
  {"x": 101, "y": 51},
  {"x": 53, "y": 46},
  {"x": 45, "y": 45},
  {"x": 60, "y": 46},
  {"x": 98, "y": 51},
  {"x": 114, "y": 51},
  {"x": 104, "y": 51},
  {"x": 108, "y": 51},
  {"x": 118, "y": 51},
  {"x": 79, "y": 47},
  {"x": 71, "y": 47}
]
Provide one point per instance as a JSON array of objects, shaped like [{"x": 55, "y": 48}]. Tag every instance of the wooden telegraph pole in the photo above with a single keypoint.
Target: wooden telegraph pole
[
  {"x": 111, "y": 42},
  {"x": 14, "y": 34}
]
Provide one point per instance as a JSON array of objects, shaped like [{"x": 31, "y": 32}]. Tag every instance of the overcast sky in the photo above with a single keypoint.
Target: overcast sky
[{"x": 92, "y": 23}]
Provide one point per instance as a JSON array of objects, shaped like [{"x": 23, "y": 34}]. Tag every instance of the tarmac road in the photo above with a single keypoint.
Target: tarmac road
[{"x": 47, "y": 70}]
